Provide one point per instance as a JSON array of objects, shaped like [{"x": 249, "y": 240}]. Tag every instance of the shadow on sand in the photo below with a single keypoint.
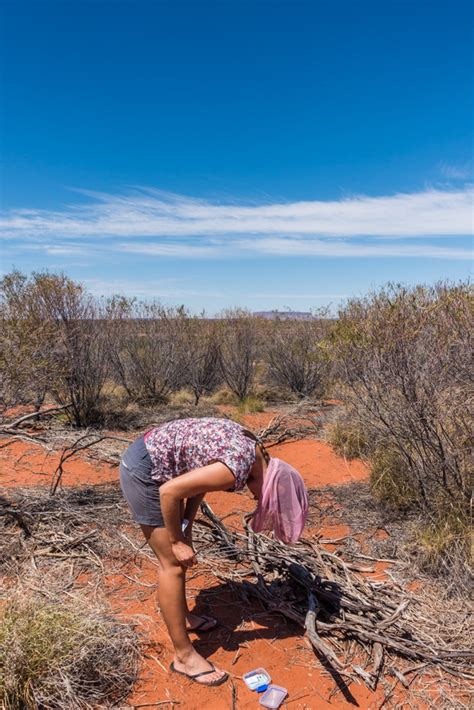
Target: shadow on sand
[{"x": 237, "y": 605}]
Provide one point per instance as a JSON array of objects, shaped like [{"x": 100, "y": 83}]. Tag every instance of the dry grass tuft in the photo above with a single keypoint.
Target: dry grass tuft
[
  {"x": 222, "y": 396},
  {"x": 64, "y": 653},
  {"x": 181, "y": 398},
  {"x": 390, "y": 480},
  {"x": 445, "y": 548},
  {"x": 347, "y": 440},
  {"x": 251, "y": 405}
]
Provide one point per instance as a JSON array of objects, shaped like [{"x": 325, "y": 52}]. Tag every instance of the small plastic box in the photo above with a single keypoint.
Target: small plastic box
[
  {"x": 273, "y": 697},
  {"x": 257, "y": 679}
]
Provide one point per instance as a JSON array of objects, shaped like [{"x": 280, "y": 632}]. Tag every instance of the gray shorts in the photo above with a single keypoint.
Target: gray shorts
[{"x": 141, "y": 492}]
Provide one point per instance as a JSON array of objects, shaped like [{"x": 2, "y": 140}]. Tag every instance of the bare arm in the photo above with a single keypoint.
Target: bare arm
[
  {"x": 191, "y": 485},
  {"x": 192, "y": 507}
]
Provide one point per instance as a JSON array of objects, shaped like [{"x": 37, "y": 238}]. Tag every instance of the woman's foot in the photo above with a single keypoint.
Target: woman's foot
[
  {"x": 194, "y": 664},
  {"x": 201, "y": 622}
]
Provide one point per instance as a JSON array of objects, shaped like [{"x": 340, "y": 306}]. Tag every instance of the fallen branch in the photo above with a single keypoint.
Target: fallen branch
[
  {"x": 8, "y": 428},
  {"x": 86, "y": 441},
  {"x": 303, "y": 420}
]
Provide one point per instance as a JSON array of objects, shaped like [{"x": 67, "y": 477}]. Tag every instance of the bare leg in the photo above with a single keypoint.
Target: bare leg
[
  {"x": 172, "y": 601},
  {"x": 192, "y": 619}
]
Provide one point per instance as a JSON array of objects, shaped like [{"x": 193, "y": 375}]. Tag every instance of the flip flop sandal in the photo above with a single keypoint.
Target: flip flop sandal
[
  {"x": 219, "y": 681},
  {"x": 205, "y": 620}
]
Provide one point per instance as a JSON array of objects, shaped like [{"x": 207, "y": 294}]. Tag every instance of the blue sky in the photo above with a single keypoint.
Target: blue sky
[{"x": 263, "y": 154}]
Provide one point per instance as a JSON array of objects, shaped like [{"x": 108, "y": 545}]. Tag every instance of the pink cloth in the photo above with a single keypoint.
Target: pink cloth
[{"x": 283, "y": 506}]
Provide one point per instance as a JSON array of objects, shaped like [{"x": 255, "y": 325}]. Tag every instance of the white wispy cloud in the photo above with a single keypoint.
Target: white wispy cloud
[
  {"x": 156, "y": 223},
  {"x": 167, "y": 249},
  {"x": 66, "y": 250},
  {"x": 319, "y": 247},
  {"x": 462, "y": 171}
]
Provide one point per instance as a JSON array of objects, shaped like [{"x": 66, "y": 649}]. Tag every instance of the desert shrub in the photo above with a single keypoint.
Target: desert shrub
[
  {"x": 145, "y": 348},
  {"x": 295, "y": 361},
  {"x": 53, "y": 341},
  {"x": 120, "y": 415},
  {"x": 27, "y": 345},
  {"x": 201, "y": 354},
  {"x": 239, "y": 350},
  {"x": 347, "y": 440},
  {"x": 80, "y": 360},
  {"x": 63, "y": 655},
  {"x": 272, "y": 393},
  {"x": 402, "y": 362}
]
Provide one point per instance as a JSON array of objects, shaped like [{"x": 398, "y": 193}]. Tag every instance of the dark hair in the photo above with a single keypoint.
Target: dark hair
[{"x": 250, "y": 435}]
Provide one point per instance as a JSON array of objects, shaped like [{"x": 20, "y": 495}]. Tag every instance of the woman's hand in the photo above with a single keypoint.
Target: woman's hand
[{"x": 184, "y": 553}]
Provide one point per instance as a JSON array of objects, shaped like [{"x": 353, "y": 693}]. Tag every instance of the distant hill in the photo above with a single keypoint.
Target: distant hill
[{"x": 284, "y": 315}]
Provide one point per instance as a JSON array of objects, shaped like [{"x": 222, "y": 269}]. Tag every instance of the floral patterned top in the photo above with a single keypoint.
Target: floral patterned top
[{"x": 181, "y": 445}]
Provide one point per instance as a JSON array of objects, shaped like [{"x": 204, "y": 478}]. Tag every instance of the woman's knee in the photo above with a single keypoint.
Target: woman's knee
[
  {"x": 159, "y": 542},
  {"x": 171, "y": 569}
]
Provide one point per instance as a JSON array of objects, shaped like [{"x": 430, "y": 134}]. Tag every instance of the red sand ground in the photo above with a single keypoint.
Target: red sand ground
[{"x": 248, "y": 637}]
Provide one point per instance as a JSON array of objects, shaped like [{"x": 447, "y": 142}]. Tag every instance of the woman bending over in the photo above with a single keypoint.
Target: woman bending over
[{"x": 164, "y": 476}]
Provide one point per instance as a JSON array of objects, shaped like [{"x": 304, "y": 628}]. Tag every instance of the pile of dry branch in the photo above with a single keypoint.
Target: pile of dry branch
[
  {"x": 346, "y": 616},
  {"x": 80, "y": 527}
]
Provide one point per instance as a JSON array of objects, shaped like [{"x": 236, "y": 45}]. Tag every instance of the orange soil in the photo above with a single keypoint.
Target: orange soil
[
  {"x": 25, "y": 464},
  {"x": 248, "y": 637}
]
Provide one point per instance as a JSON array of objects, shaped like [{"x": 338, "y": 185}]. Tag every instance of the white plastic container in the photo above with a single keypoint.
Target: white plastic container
[
  {"x": 273, "y": 697},
  {"x": 257, "y": 679}
]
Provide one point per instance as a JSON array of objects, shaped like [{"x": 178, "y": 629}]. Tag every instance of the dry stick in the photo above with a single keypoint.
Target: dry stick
[
  {"x": 317, "y": 642},
  {"x": 207, "y": 510},
  {"x": 236, "y": 657},
  {"x": 23, "y": 436},
  {"x": 139, "y": 550},
  {"x": 388, "y": 695},
  {"x": 366, "y": 677},
  {"x": 32, "y": 415},
  {"x": 74, "y": 449},
  {"x": 396, "y": 614},
  {"x": 377, "y": 559},
  {"x": 378, "y": 663},
  {"x": 400, "y": 677},
  {"x": 274, "y": 427},
  {"x": 157, "y": 703}
]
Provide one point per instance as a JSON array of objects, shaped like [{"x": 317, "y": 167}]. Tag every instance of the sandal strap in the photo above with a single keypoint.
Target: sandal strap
[
  {"x": 205, "y": 621},
  {"x": 199, "y": 675}
]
